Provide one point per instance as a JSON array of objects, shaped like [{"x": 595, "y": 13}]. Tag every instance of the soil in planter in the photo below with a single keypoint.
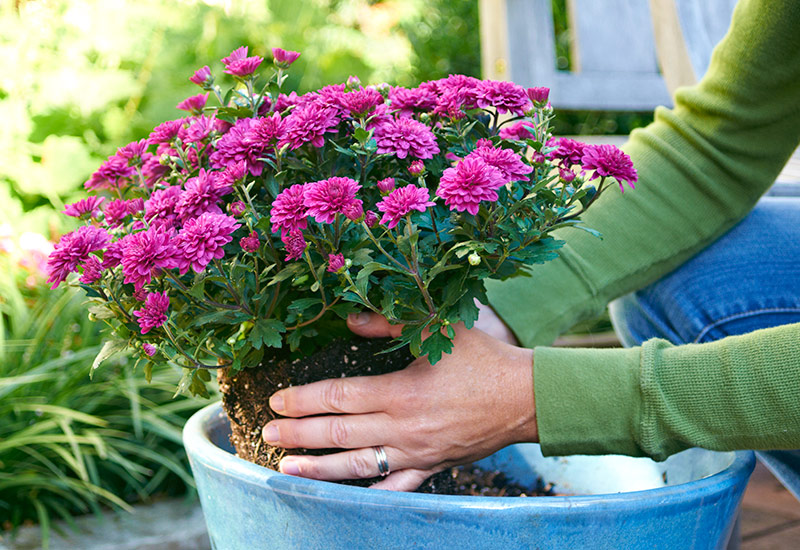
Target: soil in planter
[{"x": 245, "y": 398}]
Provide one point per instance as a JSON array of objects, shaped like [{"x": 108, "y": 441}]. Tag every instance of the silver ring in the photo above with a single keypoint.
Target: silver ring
[{"x": 383, "y": 461}]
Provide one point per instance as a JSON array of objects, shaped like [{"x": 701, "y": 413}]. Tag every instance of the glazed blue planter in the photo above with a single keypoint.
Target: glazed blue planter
[{"x": 248, "y": 507}]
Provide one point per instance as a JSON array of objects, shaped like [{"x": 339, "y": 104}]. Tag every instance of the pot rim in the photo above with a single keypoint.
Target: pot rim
[{"x": 202, "y": 450}]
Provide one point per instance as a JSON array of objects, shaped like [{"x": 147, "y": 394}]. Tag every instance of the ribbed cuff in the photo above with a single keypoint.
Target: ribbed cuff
[{"x": 588, "y": 401}]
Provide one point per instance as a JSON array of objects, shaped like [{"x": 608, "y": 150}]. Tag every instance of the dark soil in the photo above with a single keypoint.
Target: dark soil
[{"x": 245, "y": 398}]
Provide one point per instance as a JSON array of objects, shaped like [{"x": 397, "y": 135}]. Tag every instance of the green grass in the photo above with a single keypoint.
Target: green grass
[{"x": 70, "y": 445}]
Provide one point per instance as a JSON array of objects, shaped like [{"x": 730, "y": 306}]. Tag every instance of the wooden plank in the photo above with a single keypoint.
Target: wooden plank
[
  {"x": 494, "y": 40},
  {"x": 676, "y": 67}
]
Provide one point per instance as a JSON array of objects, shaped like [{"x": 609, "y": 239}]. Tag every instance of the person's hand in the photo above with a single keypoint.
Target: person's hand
[
  {"x": 473, "y": 402},
  {"x": 491, "y": 323}
]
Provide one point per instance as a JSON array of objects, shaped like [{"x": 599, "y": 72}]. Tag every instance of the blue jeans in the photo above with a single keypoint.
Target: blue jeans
[{"x": 749, "y": 279}]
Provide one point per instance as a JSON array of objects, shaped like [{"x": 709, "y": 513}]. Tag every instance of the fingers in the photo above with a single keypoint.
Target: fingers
[
  {"x": 360, "y": 394},
  {"x": 356, "y": 464},
  {"x": 404, "y": 480},
  {"x": 372, "y": 325},
  {"x": 326, "y": 432}
]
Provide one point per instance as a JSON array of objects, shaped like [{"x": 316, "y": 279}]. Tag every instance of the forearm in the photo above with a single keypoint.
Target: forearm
[{"x": 740, "y": 392}]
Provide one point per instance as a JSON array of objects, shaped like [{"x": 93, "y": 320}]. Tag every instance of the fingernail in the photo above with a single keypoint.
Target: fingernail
[
  {"x": 271, "y": 433},
  {"x": 289, "y": 466},
  {"x": 356, "y": 319},
  {"x": 276, "y": 403}
]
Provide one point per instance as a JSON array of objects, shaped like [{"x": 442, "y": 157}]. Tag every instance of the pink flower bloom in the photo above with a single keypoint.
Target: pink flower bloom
[
  {"x": 234, "y": 173},
  {"x": 194, "y": 104},
  {"x": 161, "y": 205},
  {"x": 469, "y": 183},
  {"x": 92, "y": 271},
  {"x": 113, "y": 254},
  {"x": 568, "y": 151},
  {"x": 404, "y": 137},
  {"x": 288, "y": 211},
  {"x": 401, "y": 201},
  {"x": 335, "y": 262},
  {"x": 153, "y": 171},
  {"x": 518, "y": 131},
  {"x": 409, "y": 101},
  {"x": 360, "y": 102},
  {"x": 609, "y": 161},
  {"x": 265, "y": 133},
  {"x": 149, "y": 349},
  {"x": 198, "y": 130},
  {"x": 115, "y": 212},
  {"x": 284, "y": 58},
  {"x": 386, "y": 185},
  {"x": 326, "y": 198},
  {"x": 295, "y": 244},
  {"x": 235, "y": 147},
  {"x": 238, "y": 64},
  {"x": 202, "y": 240},
  {"x": 371, "y": 218},
  {"x": 250, "y": 243},
  {"x": 538, "y": 95},
  {"x": 237, "y": 208},
  {"x": 506, "y": 161},
  {"x": 166, "y": 131},
  {"x": 73, "y": 249},
  {"x": 456, "y": 93},
  {"x": 566, "y": 175},
  {"x": 201, "y": 194},
  {"x": 416, "y": 168},
  {"x": 285, "y": 101},
  {"x": 354, "y": 211},
  {"x": 84, "y": 208},
  {"x": 134, "y": 152},
  {"x": 201, "y": 76},
  {"x": 136, "y": 206},
  {"x": 146, "y": 254},
  {"x": 309, "y": 124},
  {"x": 115, "y": 172},
  {"x": 506, "y": 97},
  {"x": 154, "y": 312},
  {"x": 140, "y": 295}
]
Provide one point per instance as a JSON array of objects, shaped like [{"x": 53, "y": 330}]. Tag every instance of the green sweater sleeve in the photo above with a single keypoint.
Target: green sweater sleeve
[{"x": 702, "y": 166}]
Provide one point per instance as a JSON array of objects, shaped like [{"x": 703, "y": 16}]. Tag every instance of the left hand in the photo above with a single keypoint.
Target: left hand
[{"x": 473, "y": 402}]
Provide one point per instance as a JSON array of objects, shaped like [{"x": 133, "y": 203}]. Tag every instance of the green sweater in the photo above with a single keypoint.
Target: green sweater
[{"x": 702, "y": 167}]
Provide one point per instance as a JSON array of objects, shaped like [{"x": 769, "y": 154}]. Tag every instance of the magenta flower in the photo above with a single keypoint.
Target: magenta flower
[
  {"x": 92, "y": 270},
  {"x": 115, "y": 172},
  {"x": 416, "y": 168},
  {"x": 74, "y": 249},
  {"x": 200, "y": 128},
  {"x": 401, "y": 201},
  {"x": 135, "y": 206},
  {"x": 234, "y": 173},
  {"x": 237, "y": 208},
  {"x": 283, "y": 58},
  {"x": 134, "y": 152},
  {"x": 149, "y": 349},
  {"x": 295, "y": 244},
  {"x": 236, "y": 146},
  {"x": 309, "y": 124},
  {"x": 113, "y": 254},
  {"x": 471, "y": 182},
  {"x": 386, "y": 185},
  {"x": 288, "y": 211},
  {"x": 147, "y": 253},
  {"x": 408, "y": 101},
  {"x": 166, "y": 131},
  {"x": 201, "y": 194},
  {"x": 154, "y": 312},
  {"x": 371, "y": 218},
  {"x": 609, "y": 161},
  {"x": 201, "y": 76},
  {"x": 335, "y": 262},
  {"x": 326, "y": 198},
  {"x": 518, "y": 131},
  {"x": 360, "y": 102},
  {"x": 194, "y": 104},
  {"x": 84, "y": 208},
  {"x": 405, "y": 136},
  {"x": 568, "y": 151},
  {"x": 538, "y": 94},
  {"x": 566, "y": 175},
  {"x": 115, "y": 212},
  {"x": 506, "y": 97},
  {"x": 456, "y": 93},
  {"x": 506, "y": 161},
  {"x": 266, "y": 132},
  {"x": 202, "y": 240},
  {"x": 250, "y": 243},
  {"x": 285, "y": 101},
  {"x": 238, "y": 64},
  {"x": 161, "y": 205}
]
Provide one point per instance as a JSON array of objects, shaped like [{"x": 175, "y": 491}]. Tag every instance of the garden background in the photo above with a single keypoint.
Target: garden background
[{"x": 80, "y": 78}]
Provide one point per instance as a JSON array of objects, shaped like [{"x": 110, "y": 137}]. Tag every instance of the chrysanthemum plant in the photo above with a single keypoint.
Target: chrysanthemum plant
[{"x": 263, "y": 220}]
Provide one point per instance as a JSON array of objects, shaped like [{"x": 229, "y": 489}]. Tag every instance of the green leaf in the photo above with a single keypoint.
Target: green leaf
[
  {"x": 198, "y": 289},
  {"x": 361, "y": 135},
  {"x": 435, "y": 345},
  {"x": 267, "y": 332},
  {"x": 110, "y": 347},
  {"x": 101, "y": 312}
]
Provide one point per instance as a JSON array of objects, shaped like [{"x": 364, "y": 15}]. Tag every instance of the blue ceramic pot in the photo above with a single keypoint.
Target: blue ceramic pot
[{"x": 247, "y": 506}]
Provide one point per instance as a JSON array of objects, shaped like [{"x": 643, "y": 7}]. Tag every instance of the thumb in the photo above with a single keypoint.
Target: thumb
[{"x": 372, "y": 325}]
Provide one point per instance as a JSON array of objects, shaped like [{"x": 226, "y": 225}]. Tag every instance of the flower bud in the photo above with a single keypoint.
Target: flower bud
[
  {"x": 386, "y": 185},
  {"x": 353, "y": 83},
  {"x": 202, "y": 77},
  {"x": 566, "y": 175},
  {"x": 474, "y": 259},
  {"x": 283, "y": 58},
  {"x": 416, "y": 168},
  {"x": 538, "y": 95},
  {"x": 371, "y": 218},
  {"x": 237, "y": 208},
  {"x": 149, "y": 349},
  {"x": 250, "y": 243},
  {"x": 336, "y": 263}
]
